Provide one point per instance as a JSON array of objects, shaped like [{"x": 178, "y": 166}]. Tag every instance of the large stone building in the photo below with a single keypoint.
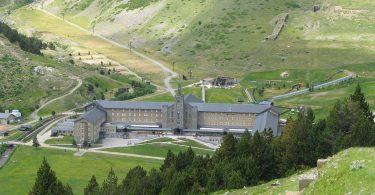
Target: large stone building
[{"x": 187, "y": 114}]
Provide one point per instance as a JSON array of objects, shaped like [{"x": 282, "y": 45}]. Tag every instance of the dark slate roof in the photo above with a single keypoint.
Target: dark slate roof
[
  {"x": 93, "y": 115},
  {"x": 131, "y": 105},
  {"x": 233, "y": 108},
  {"x": 192, "y": 99},
  {"x": 5, "y": 115}
]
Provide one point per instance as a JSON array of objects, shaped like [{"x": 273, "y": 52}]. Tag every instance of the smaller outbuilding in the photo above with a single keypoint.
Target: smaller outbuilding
[
  {"x": 63, "y": 128},
  {"x": 7, "y": 118}
]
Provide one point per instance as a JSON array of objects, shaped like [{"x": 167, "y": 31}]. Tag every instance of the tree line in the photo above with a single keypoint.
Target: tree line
[
  {"x": 28, "y": 44},
  {"x": 251, "y": 159}
]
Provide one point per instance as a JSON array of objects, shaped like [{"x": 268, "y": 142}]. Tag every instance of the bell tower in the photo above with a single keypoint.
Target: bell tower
[{"x": 179, "y": 108}]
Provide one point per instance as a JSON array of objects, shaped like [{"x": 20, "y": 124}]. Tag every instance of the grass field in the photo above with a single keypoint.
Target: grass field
[
  {"x": 21, "y": 169},
  {"x": 156, "y": 149},
  {"x": 162, "y": 139},
  {"x": 64, "y": 140}
]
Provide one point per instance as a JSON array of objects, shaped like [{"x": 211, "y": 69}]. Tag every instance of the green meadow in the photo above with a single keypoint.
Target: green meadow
[{"x": 22, "y": 167}]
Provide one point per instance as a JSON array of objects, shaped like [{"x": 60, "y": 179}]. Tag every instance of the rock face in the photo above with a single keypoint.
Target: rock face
[
  {"x": 279, "y": 22},
  {"x": 305, "y": 181},
  {"x": 320, "y": 163}
]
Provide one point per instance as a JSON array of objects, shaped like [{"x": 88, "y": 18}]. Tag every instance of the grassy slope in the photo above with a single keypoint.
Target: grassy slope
[
  {"x": 27, "y": 19},
  {"x": 156, "y": 149},
  {"x": 21, "y": 169},
  {"x": 102, "y": 84},
  {"x": 31, "y": 87},
  {"x": 337, "y": 177}
]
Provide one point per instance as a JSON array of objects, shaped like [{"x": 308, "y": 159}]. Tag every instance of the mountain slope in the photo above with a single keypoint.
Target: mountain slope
[{"x": 211, "y": 36}]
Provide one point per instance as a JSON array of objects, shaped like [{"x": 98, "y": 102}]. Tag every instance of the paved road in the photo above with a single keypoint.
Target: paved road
[
  {"x": 34, "y": 115},
  {"x": 169, "y": 74}
]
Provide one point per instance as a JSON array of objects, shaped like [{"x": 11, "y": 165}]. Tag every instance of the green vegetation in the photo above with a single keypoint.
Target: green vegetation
[
  {"x": 135, "y": 4},
  {"x": 161, "y": 139},
  {"x": 191, "y": 143},
  {"x": 22, "y": 167},
  {"x": 156, "y": 149},
  {"x": 64, "y": 140},
  {"x": 3, "y": 147},
  {"x": 29, "y": 44},
  {"x": 13, "y": 4}
]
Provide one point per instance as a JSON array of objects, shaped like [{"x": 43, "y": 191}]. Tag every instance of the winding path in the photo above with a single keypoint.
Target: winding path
[
  {"x": 169, "y": 74},
  {"x": 34, "y": 115}
]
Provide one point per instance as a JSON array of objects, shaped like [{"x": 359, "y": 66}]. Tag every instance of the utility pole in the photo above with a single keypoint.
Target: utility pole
[
  {"x": 130, "y": 46},
  {"x": 190, "y": 72},
  {"x": 173, "y": 65}
]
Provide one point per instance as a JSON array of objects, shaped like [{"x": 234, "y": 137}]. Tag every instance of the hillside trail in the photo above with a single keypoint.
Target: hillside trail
[
  {"x": 169, "y": 74},
  {"x": 34, "y": 115}
]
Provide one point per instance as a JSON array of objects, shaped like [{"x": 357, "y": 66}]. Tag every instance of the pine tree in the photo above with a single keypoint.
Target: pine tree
[
  {"x": 359, "y": 97},
  {"x": 154, "y": 182},
  {"x": 244, "y": 144},
  {"x": 46, "y": 182},
  {"x": 227, "y": 151},
  {"x": 363, "y": 133},
  {"x": 235, "y": 180},
  {"x": 169, "y": 160},
  {"x": 109, "y": 186},
  {"x": 92, "y": 188},
  {"x": 133, "y": 183}
]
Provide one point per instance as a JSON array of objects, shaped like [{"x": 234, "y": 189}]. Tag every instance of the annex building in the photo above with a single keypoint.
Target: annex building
[{"x": 186, "y": 115}]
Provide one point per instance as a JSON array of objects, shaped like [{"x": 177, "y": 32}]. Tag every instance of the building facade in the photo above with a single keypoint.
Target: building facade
[{"x": 187, "y": 114}]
